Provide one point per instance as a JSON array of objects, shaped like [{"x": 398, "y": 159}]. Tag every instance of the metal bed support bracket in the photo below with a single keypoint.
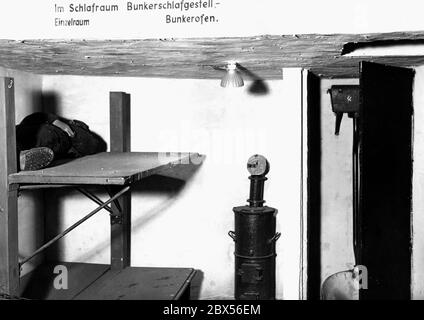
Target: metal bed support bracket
[
  {"x": 103, "y": 205},
  {"x": 115, "y": 218},
  {"x": 94, "y": 198}
]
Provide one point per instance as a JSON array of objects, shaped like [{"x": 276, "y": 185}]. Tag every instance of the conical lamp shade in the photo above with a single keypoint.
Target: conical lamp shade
[{"x": 232, "y": 78}]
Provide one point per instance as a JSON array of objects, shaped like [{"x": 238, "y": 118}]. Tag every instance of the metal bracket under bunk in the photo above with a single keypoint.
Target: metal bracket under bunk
[{"x": 102, "y": 205}]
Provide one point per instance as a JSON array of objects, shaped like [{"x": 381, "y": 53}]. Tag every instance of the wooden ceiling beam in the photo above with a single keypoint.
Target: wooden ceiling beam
[{"x": 263, "y": 56}]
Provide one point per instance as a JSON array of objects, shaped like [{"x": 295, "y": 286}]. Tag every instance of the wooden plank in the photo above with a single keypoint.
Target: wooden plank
[
  {"x": 138, "y": 283},
  {"x": 9, "y": 269},
  {"x": 120, "y": 230},
  {"x": 40, "y": 283},
  {"x": 263, "y": 55},
  {"x": 306, "y": 94},
  {"x": 120, "y": 122},
  {"x": 120, "y": 219},
  {"x": 107, "y": 168}
]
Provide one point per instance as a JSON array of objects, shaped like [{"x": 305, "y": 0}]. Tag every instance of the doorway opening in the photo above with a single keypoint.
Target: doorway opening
[{"x": 385, "y": 183}]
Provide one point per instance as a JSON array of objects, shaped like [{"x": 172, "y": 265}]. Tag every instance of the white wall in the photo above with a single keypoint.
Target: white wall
[
  {"x": 30, "y": 203},
  {"x": 188, "y": 228},
  {"x": 336, "y": 187}
]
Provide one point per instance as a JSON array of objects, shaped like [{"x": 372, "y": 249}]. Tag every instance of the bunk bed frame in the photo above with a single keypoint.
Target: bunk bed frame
[{"x": 117, "y": 171}]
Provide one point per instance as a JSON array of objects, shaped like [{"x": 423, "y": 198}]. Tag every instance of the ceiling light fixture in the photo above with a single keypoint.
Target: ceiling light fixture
[{"x": 232, "y": 77}]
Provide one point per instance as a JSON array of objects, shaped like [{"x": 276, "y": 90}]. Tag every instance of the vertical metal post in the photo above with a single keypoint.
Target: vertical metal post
[
  {"x": 120, "y": 141},
  {"x": 9, "y": 263}
]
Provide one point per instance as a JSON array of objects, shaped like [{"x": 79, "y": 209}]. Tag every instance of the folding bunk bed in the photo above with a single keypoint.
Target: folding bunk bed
[{"x": 117, "y": 171}]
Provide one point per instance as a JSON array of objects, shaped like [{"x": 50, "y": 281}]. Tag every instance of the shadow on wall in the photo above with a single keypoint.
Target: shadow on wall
[
  {"x": 50, "y": 102},
  {"x": 153, "y": 184},
  {"x": 37, "y": 98},
  {"x": 84, "y": 141},
  {"x": 258, "y": 86},
  {"x": 32, "y": 201}
]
